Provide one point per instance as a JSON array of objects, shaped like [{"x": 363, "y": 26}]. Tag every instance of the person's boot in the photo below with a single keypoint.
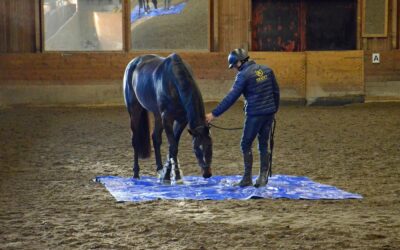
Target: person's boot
[
  {"x": 262, "y": 178},
  {"x": 247, "y": 177}
]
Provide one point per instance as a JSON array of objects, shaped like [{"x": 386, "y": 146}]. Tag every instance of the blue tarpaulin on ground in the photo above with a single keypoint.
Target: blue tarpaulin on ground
[
  {"x": 219, "y": 188},
  {"x": 174, "y": 9}
]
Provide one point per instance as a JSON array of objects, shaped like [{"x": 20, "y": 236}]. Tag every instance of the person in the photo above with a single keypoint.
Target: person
[{"x": 261, "y": 92}]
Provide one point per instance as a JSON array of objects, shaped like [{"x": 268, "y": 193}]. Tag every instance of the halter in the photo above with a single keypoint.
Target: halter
[{"x": 195, "y": 132}]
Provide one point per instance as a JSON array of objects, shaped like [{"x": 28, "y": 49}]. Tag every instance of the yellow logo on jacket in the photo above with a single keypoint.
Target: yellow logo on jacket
[{"x": 260, "y": 75}]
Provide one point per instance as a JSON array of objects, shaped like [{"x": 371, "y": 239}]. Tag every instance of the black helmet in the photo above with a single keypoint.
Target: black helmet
[{"x": 237, "y": 55}]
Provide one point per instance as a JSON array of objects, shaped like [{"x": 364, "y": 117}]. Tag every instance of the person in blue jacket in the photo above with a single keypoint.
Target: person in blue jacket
[{"x": 260, "y": 89}]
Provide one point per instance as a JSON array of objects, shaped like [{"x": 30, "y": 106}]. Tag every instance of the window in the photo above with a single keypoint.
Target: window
[
  {"x": 82, "y": 25},
  {"x": 169, "y": 24},
  {"x": 298, "y": 25}
]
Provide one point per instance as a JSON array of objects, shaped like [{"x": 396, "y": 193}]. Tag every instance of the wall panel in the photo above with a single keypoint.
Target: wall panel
[
  {"x": 233, "y": 24},
  {"x": 289, "y": 69},
  {"x": 387, "y": 70},
  {"x": 383, "y": 43},
  {"x": 334, "y": 74},
  {"x": 17, "y": 26}
]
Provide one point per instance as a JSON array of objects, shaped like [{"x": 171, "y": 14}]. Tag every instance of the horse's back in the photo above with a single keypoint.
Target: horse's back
[{"x": 160, "y": 82}]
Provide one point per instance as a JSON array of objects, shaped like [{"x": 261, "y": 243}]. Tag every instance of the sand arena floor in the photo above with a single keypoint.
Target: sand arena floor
[{"x": 48, "y": 157}]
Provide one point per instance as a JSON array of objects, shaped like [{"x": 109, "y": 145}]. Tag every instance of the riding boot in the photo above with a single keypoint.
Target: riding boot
[
  {"x": 262, "y": 178},
  {"x": 247, "y": 177}
]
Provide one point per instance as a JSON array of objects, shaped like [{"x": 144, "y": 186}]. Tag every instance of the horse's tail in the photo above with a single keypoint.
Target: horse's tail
[
  {"x": 141, "y": 134},
  {"x": 140, "y": 124},
  {"x": 129, "y": 93}
]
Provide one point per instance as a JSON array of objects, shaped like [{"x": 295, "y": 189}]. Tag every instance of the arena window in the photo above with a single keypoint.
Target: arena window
[
  {"x": 169, "y": 24},
  {"x": 82, "y": 25}
]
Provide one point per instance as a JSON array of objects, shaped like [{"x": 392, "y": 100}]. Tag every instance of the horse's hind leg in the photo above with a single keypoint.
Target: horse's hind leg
[
  {"x": 136, "y": 168},
  {"x": 157, "y": 141}
]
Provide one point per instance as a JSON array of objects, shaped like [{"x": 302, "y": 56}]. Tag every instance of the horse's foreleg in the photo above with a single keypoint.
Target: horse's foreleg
[
  {"x": 178, "y": 129},
  {"x": 157, "y": 141},
  {"x": 172, "y": 148}
]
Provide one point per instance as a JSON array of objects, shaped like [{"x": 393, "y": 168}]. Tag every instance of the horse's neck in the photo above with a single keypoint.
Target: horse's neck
[
  {"x": 195, "y": 113},
  {"x": 189, "y": 92},
  {"x": 193, "y": 104}
]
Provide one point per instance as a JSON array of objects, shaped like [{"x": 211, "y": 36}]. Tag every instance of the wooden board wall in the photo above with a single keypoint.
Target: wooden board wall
[
  {"x": 233, "y": 24},
  {"x": 90, "y": 68},
  {"x": 387, "y": 70},
  {"x": 332, "y": 74},
  {"x": 17, "y": 26},
  {"x": 385, "y": 43},
  {"x": 300, "y": 75},
  {"x": 289, "y": 69}
]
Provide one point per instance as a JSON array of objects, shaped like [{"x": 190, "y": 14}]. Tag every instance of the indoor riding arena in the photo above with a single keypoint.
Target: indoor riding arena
[{"x": 69, "y": 100}]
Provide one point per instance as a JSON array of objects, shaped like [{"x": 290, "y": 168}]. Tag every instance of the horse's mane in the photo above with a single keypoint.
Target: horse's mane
[{"x": 188, "y": 90}]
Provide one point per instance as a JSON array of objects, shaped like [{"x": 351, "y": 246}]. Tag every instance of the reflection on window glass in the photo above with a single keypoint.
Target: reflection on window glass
[
  {"x": 82, "y": 25},
  {"x": 169, "y": 24}
]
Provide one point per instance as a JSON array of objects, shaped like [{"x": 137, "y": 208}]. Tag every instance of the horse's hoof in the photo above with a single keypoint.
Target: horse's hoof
[
  {"x": 178, "y": 175},
  {"x": 245, "y": 182},
  {"x": 136, "y": 176},
  {"x": 261, "y": 182},
  {"x": 165, "y": 175},
  {"x": 206, "y": 172}
]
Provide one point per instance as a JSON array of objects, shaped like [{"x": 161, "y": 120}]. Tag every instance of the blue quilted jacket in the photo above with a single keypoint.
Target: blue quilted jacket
[{"x": 260, "y": 89}]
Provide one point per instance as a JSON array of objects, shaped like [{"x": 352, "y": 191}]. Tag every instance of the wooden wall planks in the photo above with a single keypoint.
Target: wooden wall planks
[{"x": 17, "y": 26}]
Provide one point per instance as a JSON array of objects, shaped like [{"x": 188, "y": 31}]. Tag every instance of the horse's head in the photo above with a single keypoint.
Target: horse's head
[{"x": 202, "y": 147}]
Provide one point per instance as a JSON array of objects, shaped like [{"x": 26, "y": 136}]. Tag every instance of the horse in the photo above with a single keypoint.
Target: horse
[
  {"x": 165, "y": 87},
  {"x": 144, "y": 4}
]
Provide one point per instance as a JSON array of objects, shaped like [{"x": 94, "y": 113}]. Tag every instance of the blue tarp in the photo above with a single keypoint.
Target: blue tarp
[
  {"x": 219, "y": 188},
  {"x": 174, "y": 9}
]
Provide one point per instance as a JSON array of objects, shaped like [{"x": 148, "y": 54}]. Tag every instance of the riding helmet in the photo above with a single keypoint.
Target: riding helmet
[{"x": 237, "y": 55}]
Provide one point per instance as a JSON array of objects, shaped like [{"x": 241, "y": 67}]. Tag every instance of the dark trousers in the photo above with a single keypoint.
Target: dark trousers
[{"x": 256, "y": 126}]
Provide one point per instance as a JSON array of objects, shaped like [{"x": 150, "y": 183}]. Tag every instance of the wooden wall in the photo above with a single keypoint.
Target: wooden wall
[
  {"x": 90, "y": 68},
  {"x": 391, "y": 40},
  {"x": 387, "y": 70},
  {"x": 17, "y": 26},
  {"x": 301, "y": 76},
  {"x": 233, "y": 25},
  {"x": 290, "y": 70},
  {"x": 335, "y": 74}
]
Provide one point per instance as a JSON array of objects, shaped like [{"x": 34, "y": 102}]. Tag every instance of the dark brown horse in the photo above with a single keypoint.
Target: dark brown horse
[{"x": 165, "y": 87}]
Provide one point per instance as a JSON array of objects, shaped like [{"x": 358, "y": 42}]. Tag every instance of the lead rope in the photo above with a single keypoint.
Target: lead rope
[{"x": 215, "y": 126}]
